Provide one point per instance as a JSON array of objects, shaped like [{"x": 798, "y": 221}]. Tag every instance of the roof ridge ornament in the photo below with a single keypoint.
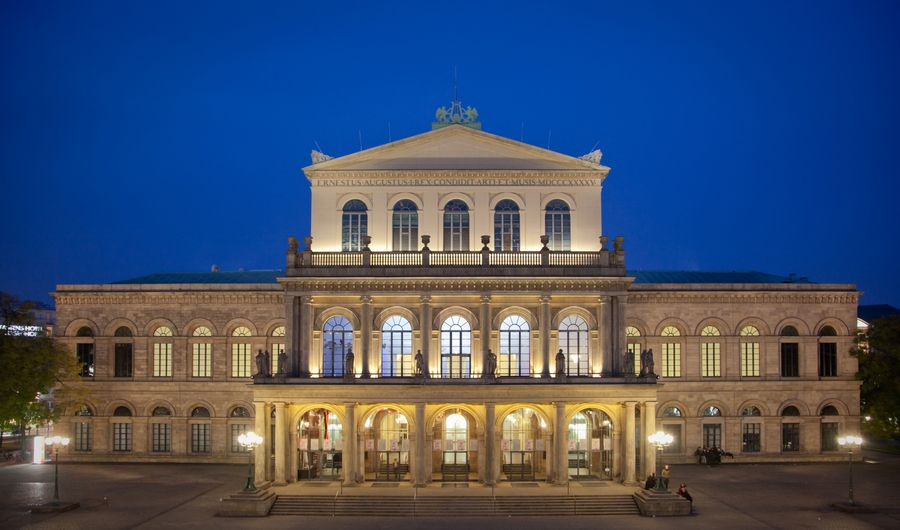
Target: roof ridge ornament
[
  {"x": 319, "y": 157},
  {"x": 457, "y": 115},
  {"x": 592, "y": 157}
]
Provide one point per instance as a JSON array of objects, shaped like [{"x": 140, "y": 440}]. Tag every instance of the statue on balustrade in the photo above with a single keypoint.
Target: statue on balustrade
[
  {"x": 282, "y": 362},
  {"x": 629, "y": 363},
  {"x": 560, "y": 364},
  {"x": 420, "y": 362},
  {"x": 647, "y": 363},
  {"x": 260, "y": 363},
  {"x": 348, "y": 364},
  {"x": 490, "y": 365}
]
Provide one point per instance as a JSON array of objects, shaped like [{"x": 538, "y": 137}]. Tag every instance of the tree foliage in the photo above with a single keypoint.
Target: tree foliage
[
  {"x": 32, "y": 365},
  {"x": 878, "y": 351}
]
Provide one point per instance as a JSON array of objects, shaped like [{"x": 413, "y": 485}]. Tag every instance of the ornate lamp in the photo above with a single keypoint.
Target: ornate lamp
[
  {"x": 250, "y": 440},
  {"x": 661, "y": 440},
  {"x": 54, "y": 444},
  {"x": 850, "y": 442}
]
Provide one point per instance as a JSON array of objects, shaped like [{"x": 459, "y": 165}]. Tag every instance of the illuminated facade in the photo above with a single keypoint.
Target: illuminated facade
[{"x": 458, "y": 310}]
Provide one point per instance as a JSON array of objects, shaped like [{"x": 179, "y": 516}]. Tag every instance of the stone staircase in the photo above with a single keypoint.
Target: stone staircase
[{"x": 450, "y": 506}]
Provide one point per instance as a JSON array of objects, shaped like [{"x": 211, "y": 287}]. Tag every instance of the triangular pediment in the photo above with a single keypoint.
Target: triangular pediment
[{"x": 456, "y": 148}]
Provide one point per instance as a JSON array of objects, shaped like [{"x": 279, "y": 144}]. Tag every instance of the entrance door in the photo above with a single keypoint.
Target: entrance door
[
  {"x": 455, "y": 458},
  {"x": 385, "y": 468},
  {"x": 455, "y": 467},
  {"x": 319, "y": 446},
  {"x": 518, "y": 465}
]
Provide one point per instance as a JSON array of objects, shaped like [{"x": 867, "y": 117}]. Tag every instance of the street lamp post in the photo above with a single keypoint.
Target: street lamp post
[
  {"x": 661, "y": 440},
  {"x": 54, "y": 444},
  {"x": 250, "y": 440},
  {"x": 850, "y": 442}
]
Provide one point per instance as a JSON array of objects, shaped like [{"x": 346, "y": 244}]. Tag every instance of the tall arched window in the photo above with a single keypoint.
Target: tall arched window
[
  {"x": 276, "y": 346},
  {"x": 573, "y": 341},
  {"x": 84, "y": 349},
  {"x": 337, "y": 340},
  {"x": 405, "y": 225},
  {"x": 558, "y": 225},
  {"x": 671, "y": 352},
  {"x": 162, "y": 352},
  {"x": 200, "y": 427},
  {"x": 456, "y": 225},
  {"x": 710, "y": 350},
  {"x": 506, "y": 225},
  {"x": 241, "y": 352},
  {"x": 124, "y": 354},
  {"x": 515, "y": 348},
  {"x": 161, "y": 428},
  {"x": 201, "y": 352},
  {"x": 122, "y": 429},
  {"x": 456, "y": 347},
  {"x": 396, "y": 347},
  {"x": 750, "y": 351},
  {"x": 633, "y": 336},
  {"x": 827, "y": 353},
  {"x": 354, "y": 225},
  {"x": 790, "y": 353}
]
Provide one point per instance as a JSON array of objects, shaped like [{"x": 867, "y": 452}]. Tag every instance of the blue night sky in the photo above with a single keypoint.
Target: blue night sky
[{"x": 142, "y": 137}]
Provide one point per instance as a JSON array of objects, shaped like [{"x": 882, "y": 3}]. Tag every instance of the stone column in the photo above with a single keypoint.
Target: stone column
[
  {"x": 291, "y": 334},
  {"x": 366, "y": 326},
  {"x": 419, "y": 472},
  {"x": 361, "y": 456},
  {"x": 348, "y": 452},
  {"x": 650, "y": 452},
  {"x": 617, "y": 461},
  {"x": 305, "y": 336},
  {"x": 606, "y": 330},
  {"x": 261, "y": 453},
  {"x": 425, "y": 325},
  {"x": 490, "y": 475},
  {"x": 544, "y": 323},
  {"x": 620, "y": 342},
  {"x": 629, "y": 444},
  {"x": 561, "y": 446},
  {"x": 485, "y": 318},
  {"x": 280, "y": 444}
]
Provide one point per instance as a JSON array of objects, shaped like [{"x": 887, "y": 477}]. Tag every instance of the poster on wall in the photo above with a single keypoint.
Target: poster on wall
[
  {"x": 404, "y": 445},
  {"x": 460, "y": 445},
  {"x": 314, "y": 444},
  {"x": 529, "y": 445},
  {"x": 504, "y": 445},
  {"x": 517, "y": 445},
  {"x": 301, "y": 444},
  {"x": 539, "y": 445},
  {"x": 382, "y": 446},
  {"x": 370, "y": 445},
  {"x": 607, "y": 444},
  {"x": 326, "y": 444},
  {"x": 339, "y": 445},
  {"x": 435, "y": 445},
  {"x": 595, "y": 444},
  {"x": 572, "y": 445},
  {"x": 394, "y": 445}
]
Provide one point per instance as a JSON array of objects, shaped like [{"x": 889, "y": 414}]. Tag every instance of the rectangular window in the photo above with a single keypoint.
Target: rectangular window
[
  {"x": 749, "y": 359},
  {"x": 85, "y": 354},
  {"x": 162, "y": 438},
  {"x": 123, "y": 360},
  {"x": 121, "y": 437},
  {"x": 790, "y": 359},
  {"x": 711, "y": 359},
  {"x": 790, "y": 437},
  {"x": 238, "y": 429},
  {"x": 830, "y": 436},
  {"x": 162, "y": 360},
  {"x": 240, "y": 360},
  {"x": 202, "y": 360},
  {"x": 751, "y": 438},
  {"x": 635, "y": 349},
  {"x": 200, "y": 438},
  {"x": 712, "y": 435},
  {"x": 675, "y": 432},
  {"x": 84, "y": 437},
  {"x": 276, "y": 349},
  {"x": 828, "y": 359},
  {"x": 456, "y": 231},
  {"x": 671, "y": 360}
]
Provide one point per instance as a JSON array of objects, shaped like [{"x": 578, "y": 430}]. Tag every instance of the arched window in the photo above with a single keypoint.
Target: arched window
[
  {"x": 506, "y": 226},
  {"x": 456, "y": 347},
  {"x": 123, "y": 352},
  {"x": 84, "y": 411},
  {"x": 712, "y": 432},
  {"x": 671, "y": 352},
  {"x": 711, "y": 411},
  {"x": 751, "y": 431},
  {"x": 337, "y": 340},
  {"x": 123, "y": 331},
  {"x": 790, "y": 430},
  {"x": 573, "y": 341},
  {"x": 557, "y": 225},
  {"x": 790, "y": 353},
  {"x": 515, "y": 348},
  {"x": 750, "y": 351},
  {"x": 162, "y": 352},
  {"x": 829, "y": 429},
  {"x": 405, "y": 225},
  {"x": 790, "y": 411},
  {"x": 396, "y": 347},
  {"x": 354, "y": 225},
  {"x": 122, "y": 430},
  {"x": 751, "y": 411},
  {"x": 85, "y": 351},
  {"x": 276, "y": 346},
  {"x": 829, "y": 410},
  {"x": 84, "y": 331},
  {"x": 201, "y": 352},
  {"x": 789, "y": 331},
  {"x": 711, "y": 362},
  {"x": 827, "y": 353},
  {"x": 238, "y": 427},
  {"x": 456, "y": 225},
  {"x": 240, "y": 412},
  {"x": 241, "y": 352},
  {"x": 161, "y": 430},
  {"x": 84, "y": 429},
  {"x": 672, "y": 412},
  {"x": 633, "y": 337},
  {"x": 200, "y": 428},
  {"x": 161, "y": 411}
]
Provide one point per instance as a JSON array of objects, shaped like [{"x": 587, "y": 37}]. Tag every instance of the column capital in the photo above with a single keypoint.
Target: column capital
[
  {"x": 545, "y": 298},
  {"x": 425, "y": 298},
  {"x": 306, "y": 298},
  {"x": 604, "y": 298},
  {"x": 366, "y": 299},
  {"x": 485, "y": 297}
]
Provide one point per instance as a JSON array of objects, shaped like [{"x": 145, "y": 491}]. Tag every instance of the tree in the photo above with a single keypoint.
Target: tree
[
  {"x": 31, "y": 366},
  {"x": 878, "y": 351}
]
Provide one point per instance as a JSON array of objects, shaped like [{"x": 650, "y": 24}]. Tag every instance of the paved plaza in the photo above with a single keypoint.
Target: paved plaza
[{"x": 187, "y": 496}]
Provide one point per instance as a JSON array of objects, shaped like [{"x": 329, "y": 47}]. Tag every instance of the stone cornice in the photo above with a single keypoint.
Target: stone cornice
[
  {"x": 458, "y": 285},
  {"x": 446, "y": 177},
  {"x": 743, "y": 297},
  {"x": 163, "y": 298}
]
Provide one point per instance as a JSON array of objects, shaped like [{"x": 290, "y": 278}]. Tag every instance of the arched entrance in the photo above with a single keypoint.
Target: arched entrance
[
  {"x": 320, "y": 444},
  {"x": 590, "y": 446},
  {"x": 452, "y": 445},
  {"x": 387, "y": 441},
  {"x": 522, "y": 445}
]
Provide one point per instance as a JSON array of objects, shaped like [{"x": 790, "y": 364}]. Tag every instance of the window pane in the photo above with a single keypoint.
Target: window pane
[
  {"x": 162, "y": 360},
  {"x": 240, "y": 360},
  {"x": 710, "y": 359},
  {"x": 162, "y": 438},
  {"x": 202, "y": 360},
  {"x": 751, "y": 434},
  {"x": 671, "y": 359},
  {"x": 123, "y": 360},
  {"x": 828, "y": 359},
  {"x": 790, "y": 359},
  {"x": 750, "y": 359}
]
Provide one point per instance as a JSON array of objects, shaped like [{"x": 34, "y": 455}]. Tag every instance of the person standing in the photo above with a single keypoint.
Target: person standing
[
  {"x": 665, "y": 477},
  {"x": 699, "y": 454},
  {"x": 396, "y": 467}
]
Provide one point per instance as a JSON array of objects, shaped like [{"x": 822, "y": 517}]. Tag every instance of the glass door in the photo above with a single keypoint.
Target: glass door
[{"x": 455, "y": 461}]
